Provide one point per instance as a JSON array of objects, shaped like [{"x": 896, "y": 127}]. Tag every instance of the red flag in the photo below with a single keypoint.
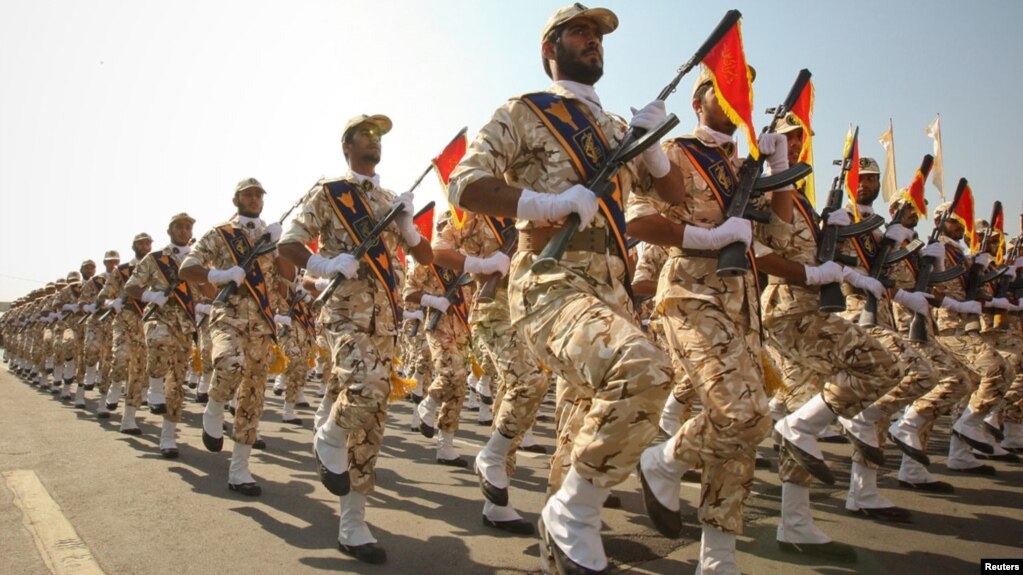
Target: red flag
[
  {"x": 851, "y": 154},
  {"x": 313, "y": 245},
  {"x": 998, "y": 228},
  {"x": 803, "y": 111},
  {"x": 914, "y": 194},
  {"x": 445, "y": 164},
  {"x": 963, "y": 212},
  {"x": 733, "y": 83},
  {"x": 424, "y": 221}
]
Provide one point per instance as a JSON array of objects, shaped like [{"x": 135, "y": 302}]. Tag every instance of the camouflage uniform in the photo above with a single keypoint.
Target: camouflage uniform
[
  {"x": 67, "y": 334},
  {"x": 577, "y": 320},
  {"x": 168, "y": 332},
  {"x": 359, "y": 327},
  {"x": 242, "y": 337},
  {"x": 128, "y": 345},
  {"x": 98, "y": 335}
]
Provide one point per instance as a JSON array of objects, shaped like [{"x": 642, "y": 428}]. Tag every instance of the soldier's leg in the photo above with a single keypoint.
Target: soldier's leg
[
  {"x": 250, "y": 394},
  {"x": 448, "y": 347},
  {"x": 228, "y": 354},
  {"x": 993, "y": 373},
  {"x": 174, "y": 391}
]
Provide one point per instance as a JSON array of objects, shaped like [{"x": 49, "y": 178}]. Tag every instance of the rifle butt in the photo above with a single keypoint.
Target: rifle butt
[
  {"x": 918, "y": 328},
  {"x": 434, "y": 320},
  {"x": 415, "y": 328},
  {"x": 832, "y": 298},
  {"x": 732, "y": 260},
  {"x": 226, "y": 292},
  {"x": 868, "y": 315},
  {"x": 489, "y": 290}
]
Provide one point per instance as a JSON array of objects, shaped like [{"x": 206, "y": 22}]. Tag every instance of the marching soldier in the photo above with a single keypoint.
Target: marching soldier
[
  {"x": 577, "y": 321},
  {"x": 297, "y": 331},
  {"x": 242, "y": 328},
  {"x": 169, "y": 331},
  {"x": 360, "y": 319},
  {"x": 98, "y": 334}
]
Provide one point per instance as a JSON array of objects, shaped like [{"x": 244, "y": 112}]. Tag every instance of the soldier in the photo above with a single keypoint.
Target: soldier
[
  {"x": 98, "y": 334},
  {"x": 360, "y": 319},
  {"x": 242, "y": 328},
  {"x": 128, "y": 345},
  {"x": 578, "y": 320},
  {"x": 170, "y": 330},
  {"x": 297, "y": 333},
  {"x": 65, "y": 332}
]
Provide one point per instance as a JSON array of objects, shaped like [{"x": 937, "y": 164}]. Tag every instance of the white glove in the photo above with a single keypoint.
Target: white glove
[
  {"x": 275, "y": 230},
  {"x": 498, "y": 262},
  {"x": 838, "y": 218},
  {"x": 648, "y": 118},
  {"x": 342, "y": 263},
  {"x": 730, "y": 231},
  {"x": 89, "y": 308},
  {"x": 775, "y": 148},
  {"x": 408, "y": 315},
  {"x": 71, "y": 307},
  {"x": 306, "y": 296},
  {"x": 407, "y": 228},
  {"x": 1000, "y": 303},
  {"x": 438, "y": 303},
  {"x": 982, "y": 260},
  {"x": 915, "y": 301},
  {"x": 232, "y": 274},
  {"x": 964, "y": 307},
  {"x": 154, "y": 297},
  {"x": 899, "y": 234},
  {"x": 935, "y": 250},
  {"x": 826, "y": 273},
  {"x": 547, "y": 208},
  {"x": 321, "y": 284},
  {"x": 115, "y": 304},
  {"x": 282, "y": 319},
  {"x": 203, "y": 308},
  {"x": 864, "y": 282}
]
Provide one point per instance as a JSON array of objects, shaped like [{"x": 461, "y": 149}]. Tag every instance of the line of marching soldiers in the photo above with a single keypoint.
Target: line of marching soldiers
[{"x": 747, "y": 347}]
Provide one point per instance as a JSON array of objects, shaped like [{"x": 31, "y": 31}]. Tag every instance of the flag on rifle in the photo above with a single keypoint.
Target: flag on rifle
[
  {"x": 914, "y": 194},
  {"x": 733, "y": 83},
  {"x": 803, "y": 111},
  {"x": 889, "y": 185},
  {"x": 851, "y": 154},
  {"x": 963, "y": 212},
  {"x": 998, "y": 228},
  {"x": 934, "y": 131},
  {"x": 445, "y": 164}
]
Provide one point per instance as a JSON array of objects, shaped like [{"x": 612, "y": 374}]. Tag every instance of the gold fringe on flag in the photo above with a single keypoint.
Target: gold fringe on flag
[
  {"x": 312, "y": 357},
  {"x": 196, "y": 360},
  {"x": 772, "y": 379},
  {"x": 280, "y": 362},
  {"x": 477, "y": 369},
  {"x": 400, "y": 386}
]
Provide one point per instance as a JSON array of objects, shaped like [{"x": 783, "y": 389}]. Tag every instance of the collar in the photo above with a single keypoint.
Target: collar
[
  {"x": 865, "y": 210},
  {"x": 178, "y": 252},
  {"x": 249, "y": 223},
  {"x": 580, "y": 92},
  {"x": 715, "y": 139},
  {"x": 361, "y": 179}
]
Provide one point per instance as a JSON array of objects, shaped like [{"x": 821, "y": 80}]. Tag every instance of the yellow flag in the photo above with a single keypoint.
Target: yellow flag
[{"x": 889, "y": 187}]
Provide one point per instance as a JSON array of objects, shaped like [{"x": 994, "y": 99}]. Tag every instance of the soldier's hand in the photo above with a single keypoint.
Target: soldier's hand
[
  {"x": 838, "y": 218},
  {"x": 914, "y": 301},
  {"x": 982, "y": 260},
  {"x": 964, "y": 307},
  {"x": 89, "y": 308},
  {"x": 730, "y": 231},
  {"x": 548, "y": 208},
  {"x": 412, "y": 315},
  {"x": 826, "y": 273},
  {"x": 275, "y": 230},
  {"x": 438, "y": 303},
  {"x": 70, "y": 307},
  {"x": 154, "y": 297},
  {"x": 899, "y": 234},
  {"x": 648, "y": 118},
  {"x": 775, "y": 148},
  {"x": 1001, "y": 303},
  {"x": 300, "y": 289},
  {"x": 493, "y": 264},
  {"x": 282, "y": 320},
  {"x": 863, "y": 282},
  {"x": 343, "y": 263},
  {"x": 203, "y": 308},
  {"x": 404, "y": 221},
  {"x": 233, "y": 274},
  {"x": 115, "y": 304}
]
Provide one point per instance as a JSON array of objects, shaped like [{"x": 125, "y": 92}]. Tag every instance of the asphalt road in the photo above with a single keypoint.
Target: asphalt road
[{"x": 137, "y": 513}]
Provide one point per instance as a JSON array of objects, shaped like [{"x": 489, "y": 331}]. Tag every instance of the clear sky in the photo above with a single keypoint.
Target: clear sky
[{"x": 116, "y": 114}]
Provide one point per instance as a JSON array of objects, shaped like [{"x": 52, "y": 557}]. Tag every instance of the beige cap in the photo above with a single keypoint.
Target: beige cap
[
  {"x": 141, "y": 236},
  {"x": 74, "y": 276},
  {"x": 869, "y": 166},
  {"x": 941, "y": 209},
  {"x": 379, "y": 121},
  {"x": 88, "y": 263},
  {"x": 248, "y": 183},
  {"x": 980, "y": 226},
  {"x": 111, "y": 255},
  {"x": 790, "y": 123},
  {"x": 606, "y": 20},
  {"x": 181, "y": 216},
  {"x": 706, "y": 78}
]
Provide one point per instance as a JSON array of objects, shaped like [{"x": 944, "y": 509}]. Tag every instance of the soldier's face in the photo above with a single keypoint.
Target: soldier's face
[
  {"x": 869, "y": 187},
  {"x": 578, "y": 52},
  {"x": 910, "y": 218},
  {"x": 249, "y": 202},
  {"x": 708, "y": 109},
  {"x": 954, "y": 229},
  {"x": 795, "y": 145},
  {"x": 180, "y": 232},
  {"x": 141, "y": 248},
  {"x": 87, "y": 271},
  {"x": 111, "y": 265},
  {"x": 364, "y": 145}
]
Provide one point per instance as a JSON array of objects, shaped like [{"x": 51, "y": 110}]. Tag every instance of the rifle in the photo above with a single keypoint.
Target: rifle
[
  {"x": 732, "y": 260},
  {"x": 153, "y": 307},
  {"x": 488, "y": 292},
  {"x": 832, "y": 298},
  {"x": 1004, "y": 285},
  {"x": 885, "y": 257},
  {"x": 918, "y": 325},
  {"x": 976, "y": 277},
  {"x": 633, "y": 143},
  {"x": 292, "y": 304},
  {"x": 106, "y": 313},
  {"x": 462, "y": 279}
]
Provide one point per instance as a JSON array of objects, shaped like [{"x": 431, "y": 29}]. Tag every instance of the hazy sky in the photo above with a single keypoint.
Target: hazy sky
[{"x": 115, "y": 114}]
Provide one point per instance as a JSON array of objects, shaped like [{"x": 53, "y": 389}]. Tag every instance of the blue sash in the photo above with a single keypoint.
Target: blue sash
[
  {"x": 125, "y": 271},
  {"x": 239, "y": 245},
  {"x": 168, "y": 267},
  {"x": 447, "y": 278}
]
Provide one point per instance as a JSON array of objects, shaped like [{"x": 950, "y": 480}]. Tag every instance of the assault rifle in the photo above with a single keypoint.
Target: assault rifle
[
  {"x": 510, "y": 243},
  {"x": 977, "y": 277}
]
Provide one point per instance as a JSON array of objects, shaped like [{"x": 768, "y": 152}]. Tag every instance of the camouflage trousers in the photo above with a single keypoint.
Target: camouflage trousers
[
  {"x": 683, "y": 391},
  {"x": 65, "y": 344},
  {"x": 168, "y": 352},
  {"x": 955, "y": 381},
  {"x": 992, "y": 371},
  {"x": 46, "y": 351},
  {"x": 128, "y": 349},
  {"x": 206, "y": 349},
  {"x": 521, "y": 384},
  {"x": 241, "y": 360},
  {"x": 97, "y": 350},
  {"x": 720, "y": 355},
  {"x": 815, "y": 347},
  {"x": 615, "y": 377},
  {"x": 362, "y": 366},
  {"x": 297, "y": 343},
  {"x": 326, "y": 359},
  {"x": 1009, "y": 345},
  {"x": 449, "y": 348}
]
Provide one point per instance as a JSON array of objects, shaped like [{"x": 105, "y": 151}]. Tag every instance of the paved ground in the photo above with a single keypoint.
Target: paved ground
[{"x": 137, "y": 513}]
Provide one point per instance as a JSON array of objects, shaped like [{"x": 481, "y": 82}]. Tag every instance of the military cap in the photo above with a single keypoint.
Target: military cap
[
  {"x": 869, "y": 166},
  {"x": 705, "y": 77},
  {"x": 941, "y": 209},
  {"x": 248, "y": 183},
  {"x": 789, "y": 123},
  {"x": 606, "y": 20},
  {"x": 74, "y": 276},
  {"x": 111, "y": 255},
  {"x": 181, "y": 216},
  {"x": 980, "y": 226},
  {"x": 88, "y": 263},
  {"x": 378, "y": 121},
  {"x": 141, "y": 236}
]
